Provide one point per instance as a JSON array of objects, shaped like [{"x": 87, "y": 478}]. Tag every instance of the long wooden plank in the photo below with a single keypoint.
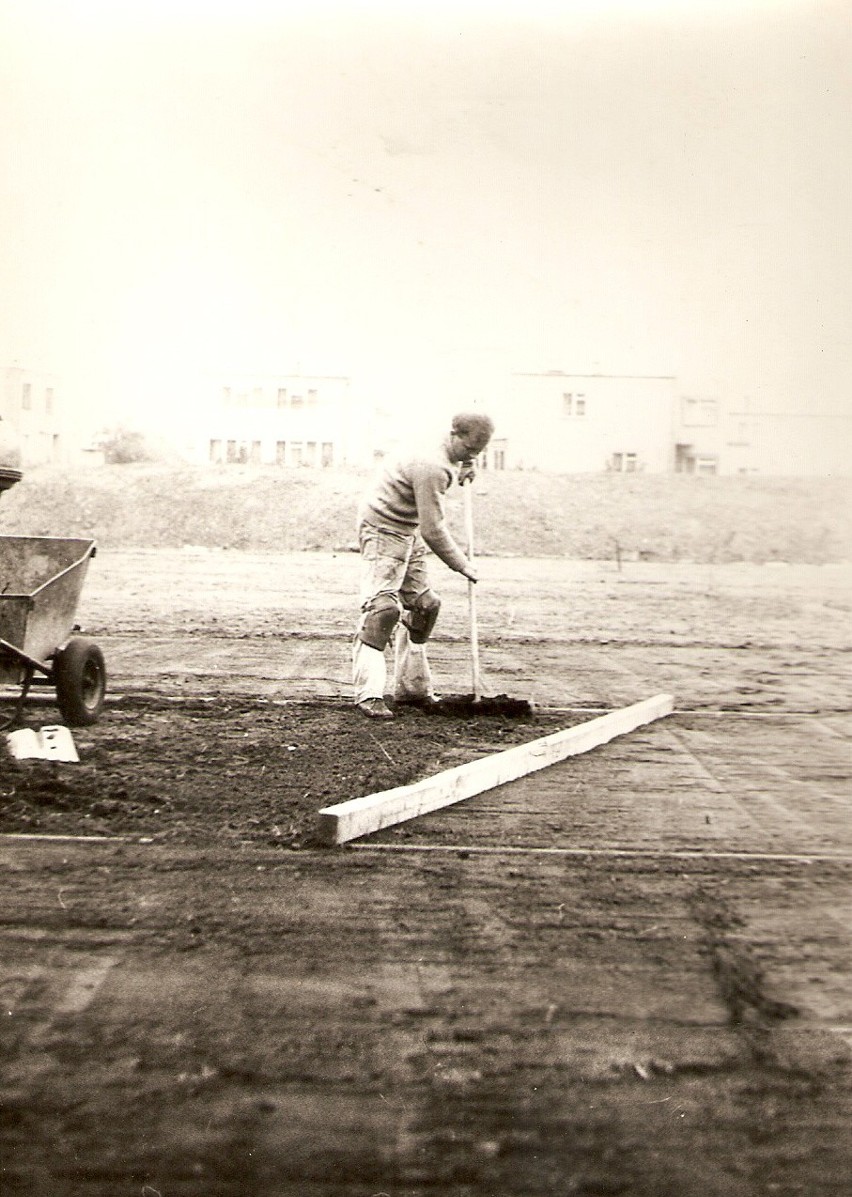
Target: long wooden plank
[{"x": 362, "y": 816}]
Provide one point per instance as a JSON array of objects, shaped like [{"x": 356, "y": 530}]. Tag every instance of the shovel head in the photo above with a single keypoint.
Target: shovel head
[{"x": 51, "y": 743}]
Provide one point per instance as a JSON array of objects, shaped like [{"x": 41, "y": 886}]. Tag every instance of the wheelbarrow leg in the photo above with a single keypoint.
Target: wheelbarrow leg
[{"x": 17, "y": 715}]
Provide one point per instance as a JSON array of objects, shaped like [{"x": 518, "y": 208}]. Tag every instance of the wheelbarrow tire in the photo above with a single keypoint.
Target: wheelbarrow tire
[{"x": 80, "y": 676}]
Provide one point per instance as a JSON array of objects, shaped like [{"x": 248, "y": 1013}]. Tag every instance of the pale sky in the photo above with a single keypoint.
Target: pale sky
[{"x": 427, "y": 197}]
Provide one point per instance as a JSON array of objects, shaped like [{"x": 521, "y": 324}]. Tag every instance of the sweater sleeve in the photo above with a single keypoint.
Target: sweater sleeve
[{"x": 430, "y": 482}]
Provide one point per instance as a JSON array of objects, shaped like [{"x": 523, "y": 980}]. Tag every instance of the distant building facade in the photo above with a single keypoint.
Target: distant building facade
[
  {"x": 743, "y": 439},
  {"x": 698, "y": 435},
  {"x": 553, "y": 421},
  {"x": 29, "y": 404},
  {"x": 285, "y": 420},
  {"x": 786, "y": 443},
  {"x": 585, "y": 423}
]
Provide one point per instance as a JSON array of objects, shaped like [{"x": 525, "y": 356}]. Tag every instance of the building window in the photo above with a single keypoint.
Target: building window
[
  {"x": 216, "y": 452},
  {"x": 282, "y": 396},
  {"x": 295, "y": 453},
  {"x": 743, "y": 437},
  {"x": 327, "y": 454},
  {"x": 310, "y": 453},
  {"x": 706, "y": 465},
  {"x": 624, "y": 463},
  {"x": 296, "y": 401},
  {"x": 498, "y": 455},
  {"x": 700, "y": 413},
  {"x": 312, "y": 397},
  {"x": 241, "y": 452},
  {"x": 26, "y": 397},
  {"x": 280, "y": 453},
  {"x": 48, "y": 400},
  {"x": 573, "y": 404},
  {"x": 579, "y": 405}
]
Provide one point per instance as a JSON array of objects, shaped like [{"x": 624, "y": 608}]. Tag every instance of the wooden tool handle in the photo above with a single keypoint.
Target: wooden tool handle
[{"x": 471, "y": 596}]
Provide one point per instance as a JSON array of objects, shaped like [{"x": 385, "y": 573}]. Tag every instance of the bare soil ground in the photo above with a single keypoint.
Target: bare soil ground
[
  {"x": 245, "y": 771},
  {"x": 627, "y": 974}
]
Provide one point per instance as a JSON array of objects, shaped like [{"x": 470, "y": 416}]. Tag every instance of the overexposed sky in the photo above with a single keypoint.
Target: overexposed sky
[{"x": 427, "y": 197}]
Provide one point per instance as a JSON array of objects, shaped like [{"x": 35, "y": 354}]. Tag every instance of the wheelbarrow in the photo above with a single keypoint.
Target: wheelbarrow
[{"x": 41, "y": 578}]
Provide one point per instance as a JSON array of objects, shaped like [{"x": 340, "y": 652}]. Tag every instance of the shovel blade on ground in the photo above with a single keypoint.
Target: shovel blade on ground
[{"x": 51, "y": 743}]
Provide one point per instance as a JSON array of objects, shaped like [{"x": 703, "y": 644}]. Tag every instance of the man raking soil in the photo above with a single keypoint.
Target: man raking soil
[{"x": 399, "y": 518}]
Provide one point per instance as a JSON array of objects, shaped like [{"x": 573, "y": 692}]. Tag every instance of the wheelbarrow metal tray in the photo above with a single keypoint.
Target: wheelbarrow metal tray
[
  {"x": 9, "y": 478},
  {"x": 41, "y": 578}
]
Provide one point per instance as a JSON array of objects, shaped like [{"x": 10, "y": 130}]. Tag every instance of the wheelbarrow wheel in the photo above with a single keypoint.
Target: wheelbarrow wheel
[{"x": 80, "y": 676}]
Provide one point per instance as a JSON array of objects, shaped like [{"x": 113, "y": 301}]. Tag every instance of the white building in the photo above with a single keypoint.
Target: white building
[
  {"x": 698, "y": 435},
  {"x": 554, "y": 421},
  {"x": 787, "y": 443},
  {"x": 286, "y": 420},
  {"x": 743, "y": 439},
  {"x": 586, "y": 423},
  {"x": 28, "y": 404}
]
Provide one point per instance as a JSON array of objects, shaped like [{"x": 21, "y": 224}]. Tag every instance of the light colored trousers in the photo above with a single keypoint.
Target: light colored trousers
[{"x": 392, "y": 564}]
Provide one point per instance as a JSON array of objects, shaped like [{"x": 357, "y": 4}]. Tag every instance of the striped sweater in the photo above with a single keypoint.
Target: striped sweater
[{"x": 409, "y": 496}]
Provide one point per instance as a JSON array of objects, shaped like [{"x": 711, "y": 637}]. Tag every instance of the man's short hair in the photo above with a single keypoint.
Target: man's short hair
[{"x": 476, "y": 429}]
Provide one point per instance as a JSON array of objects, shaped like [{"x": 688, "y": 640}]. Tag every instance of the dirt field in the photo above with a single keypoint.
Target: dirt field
[{"x": 626, "y": 974}]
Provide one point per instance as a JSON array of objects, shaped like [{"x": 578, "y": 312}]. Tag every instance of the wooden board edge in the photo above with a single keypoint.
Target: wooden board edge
[{"x": 361, "y": 816}]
